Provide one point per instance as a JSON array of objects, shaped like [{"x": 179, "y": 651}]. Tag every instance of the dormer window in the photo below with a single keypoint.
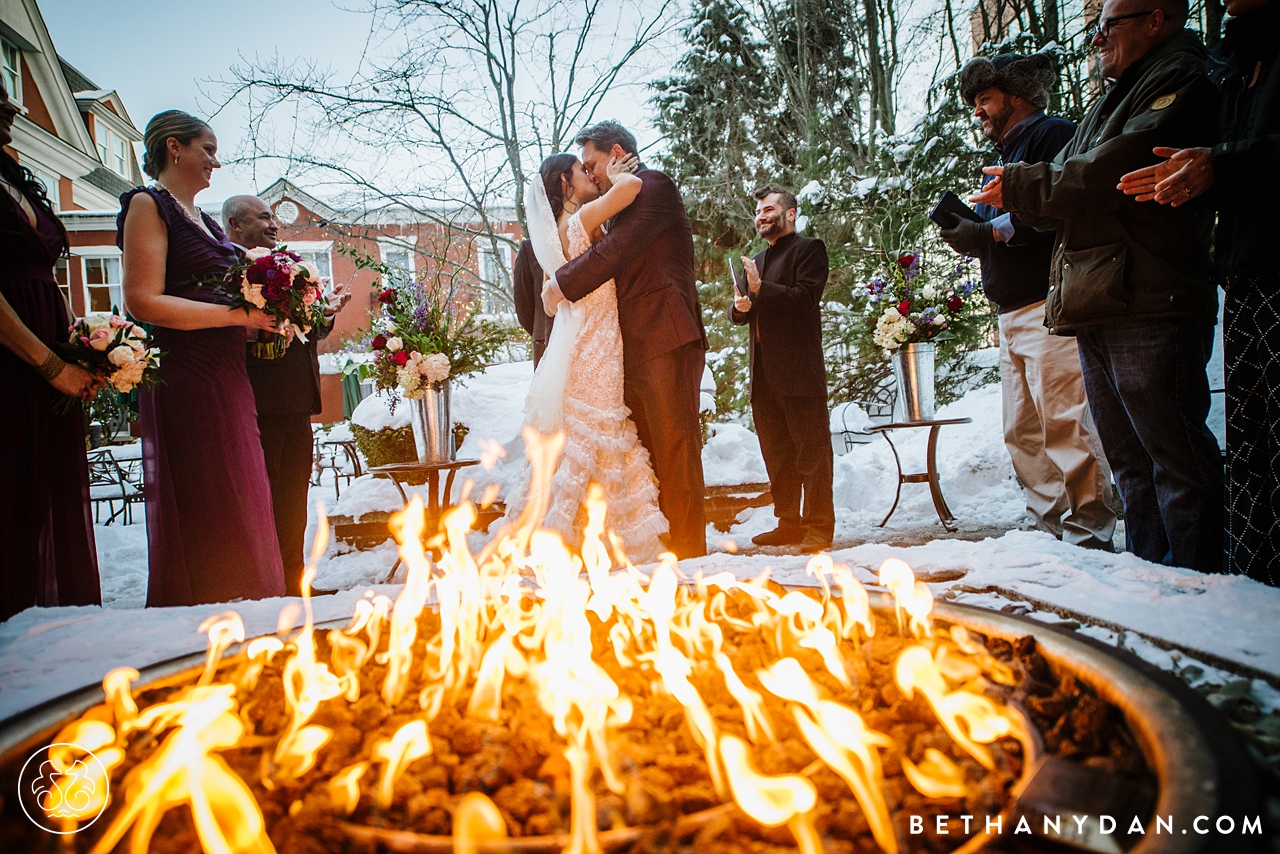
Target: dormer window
[
  {"x": 11, "y": 70},
  {"x": 120, "y": 158}
]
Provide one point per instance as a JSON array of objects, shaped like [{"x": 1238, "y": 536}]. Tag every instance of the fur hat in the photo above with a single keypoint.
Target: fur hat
[{"x": 1025, "y": 76}]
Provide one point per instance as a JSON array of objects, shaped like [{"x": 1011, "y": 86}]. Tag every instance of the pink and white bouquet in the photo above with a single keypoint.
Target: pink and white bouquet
[
  {"x": 284, "y": 286},
  {"x": 407, "y": 368},
  {"x": 113, "y": 347}
]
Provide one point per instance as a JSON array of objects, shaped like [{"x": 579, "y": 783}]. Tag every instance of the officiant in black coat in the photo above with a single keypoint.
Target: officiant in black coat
[
  {"x": 782, "y": 307},
  {"x": 287, "y": 392}
]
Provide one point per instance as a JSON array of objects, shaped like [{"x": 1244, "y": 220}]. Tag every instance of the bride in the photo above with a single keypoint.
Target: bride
[{"x": 577, "y": 388}]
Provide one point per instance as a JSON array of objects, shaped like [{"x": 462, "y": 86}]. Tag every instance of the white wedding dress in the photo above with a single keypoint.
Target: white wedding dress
[{"x": 601, "y": 444}]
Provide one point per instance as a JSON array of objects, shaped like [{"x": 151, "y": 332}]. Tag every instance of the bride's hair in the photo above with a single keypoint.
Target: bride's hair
[{"x": 554, "y": 168}]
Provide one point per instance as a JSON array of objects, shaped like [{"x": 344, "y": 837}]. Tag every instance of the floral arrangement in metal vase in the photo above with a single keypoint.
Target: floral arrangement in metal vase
[
  {"x": 909, "y": 305},
  {"x": 429, "y": 332}
]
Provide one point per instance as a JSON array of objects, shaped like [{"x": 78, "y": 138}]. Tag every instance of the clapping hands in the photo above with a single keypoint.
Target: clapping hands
[
  {"x": 1183, "y": 175},
  {"x": 993, "y": 193}
]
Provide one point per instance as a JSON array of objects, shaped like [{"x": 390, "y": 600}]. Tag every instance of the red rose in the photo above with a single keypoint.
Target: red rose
[
  {"x": 274, "y": 290},
  {"x": 387, "y": 297},
  {"x": 266, "y": 262},
  {"x": 379, "y": 342},
  {"x": 400, "y": 358},
  {"x": 256, "y": 275},
  {"x": 904, "y": 307},
  {"x": 955, "y": 303},
  {"x": 907, "y": 260}
]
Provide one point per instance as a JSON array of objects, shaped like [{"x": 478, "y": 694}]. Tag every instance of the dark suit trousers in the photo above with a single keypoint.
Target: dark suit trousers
[
  {"x": 287, "y": 446},
  {"x": 662, "y": 395},
  {"x": 795, "y": 440}
]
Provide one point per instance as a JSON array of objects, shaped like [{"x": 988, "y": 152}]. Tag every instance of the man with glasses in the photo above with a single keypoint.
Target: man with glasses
[
  {"x": 1241, "y": 171},
  {"x": 1131, "y": 281}
]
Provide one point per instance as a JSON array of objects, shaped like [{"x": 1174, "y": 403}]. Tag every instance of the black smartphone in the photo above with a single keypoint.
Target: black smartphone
[
  {"x": 950, "y": 205},
  {"x": 739, "y": 278}
]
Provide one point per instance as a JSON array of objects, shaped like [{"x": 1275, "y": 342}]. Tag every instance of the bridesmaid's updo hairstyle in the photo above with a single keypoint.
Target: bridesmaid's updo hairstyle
[
  {"x": 554, "y": 168},
  {"x": 171, "y": 124}
]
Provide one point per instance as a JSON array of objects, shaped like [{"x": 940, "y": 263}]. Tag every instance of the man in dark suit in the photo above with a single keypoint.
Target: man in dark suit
[
  {"x": 788, "y": 376},
  {"x": 528, "y": 296},
  {"x": 648, "y": 252},
  {"x": 287, "y": 391}
]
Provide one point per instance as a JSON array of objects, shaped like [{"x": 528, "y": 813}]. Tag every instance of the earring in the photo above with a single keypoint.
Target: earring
[{"x": 175, "y": 161}]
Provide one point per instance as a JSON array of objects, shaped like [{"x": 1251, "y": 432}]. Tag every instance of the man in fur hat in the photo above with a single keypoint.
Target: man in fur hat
[
  {"x": 1050, "y": 436},
  {"x": 1131, "y": 280}
]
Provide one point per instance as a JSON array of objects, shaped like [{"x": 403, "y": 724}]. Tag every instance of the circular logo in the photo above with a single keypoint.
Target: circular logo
[
  {"x": 287, "y": 212},
  {"x": 63, "y": 788}
]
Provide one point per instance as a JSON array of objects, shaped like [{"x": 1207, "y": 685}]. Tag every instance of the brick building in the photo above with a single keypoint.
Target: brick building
[
  {"x": 78, "y": 139},
  {"x": 415, "y": 243}
]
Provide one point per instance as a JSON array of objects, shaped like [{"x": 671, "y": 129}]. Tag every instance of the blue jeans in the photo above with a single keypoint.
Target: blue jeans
[{"x": 1149, "y": 396}]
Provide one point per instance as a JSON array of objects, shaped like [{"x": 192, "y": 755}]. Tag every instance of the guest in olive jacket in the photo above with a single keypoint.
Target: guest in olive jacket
[{"x": 1131, "y": 281}]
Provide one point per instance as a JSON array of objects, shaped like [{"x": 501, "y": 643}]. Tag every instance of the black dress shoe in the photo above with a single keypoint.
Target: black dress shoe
[
  {"x": 783, "y": 535},
  {"x": 814, "y": 542}
]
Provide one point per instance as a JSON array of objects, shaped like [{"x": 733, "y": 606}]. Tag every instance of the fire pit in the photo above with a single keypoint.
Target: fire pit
[{"x": 553, "y": 699}]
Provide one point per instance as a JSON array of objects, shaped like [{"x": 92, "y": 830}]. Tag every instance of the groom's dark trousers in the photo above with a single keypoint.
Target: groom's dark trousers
[{"x": 648, "y": 252}]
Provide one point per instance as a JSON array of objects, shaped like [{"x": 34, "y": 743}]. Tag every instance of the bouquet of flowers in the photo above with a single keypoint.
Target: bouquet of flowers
[
  {"x": 284, "y": 286},
  {"x": 111, "y": 346},
  {"x": 428, "y": 332},
  {"x": 909, "y": 306}
]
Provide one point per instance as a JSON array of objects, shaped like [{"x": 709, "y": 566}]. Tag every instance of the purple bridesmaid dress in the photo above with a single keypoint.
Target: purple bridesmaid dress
[
  {"x": 47, "y": 554},
  {"x": 210, "y": 531}
]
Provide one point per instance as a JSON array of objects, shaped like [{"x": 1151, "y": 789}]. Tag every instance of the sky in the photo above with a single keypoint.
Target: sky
[{"x": 167, "y": 54}]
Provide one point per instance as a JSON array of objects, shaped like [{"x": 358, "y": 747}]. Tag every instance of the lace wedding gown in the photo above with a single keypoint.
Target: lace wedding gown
[{"x": 601, "y": 444}]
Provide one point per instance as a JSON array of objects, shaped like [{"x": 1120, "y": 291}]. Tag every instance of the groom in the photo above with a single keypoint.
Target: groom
[{"x": 648, "y": 252}]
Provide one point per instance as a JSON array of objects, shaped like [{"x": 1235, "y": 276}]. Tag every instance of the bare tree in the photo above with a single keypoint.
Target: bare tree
[{"x": 453, "y": 102}]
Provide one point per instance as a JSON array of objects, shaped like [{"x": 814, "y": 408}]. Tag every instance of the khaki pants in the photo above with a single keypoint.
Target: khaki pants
[{"x": 1049, "y": 432}]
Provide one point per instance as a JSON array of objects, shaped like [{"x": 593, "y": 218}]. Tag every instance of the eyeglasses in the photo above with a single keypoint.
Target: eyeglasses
[{"x": 1102, "y": 26}]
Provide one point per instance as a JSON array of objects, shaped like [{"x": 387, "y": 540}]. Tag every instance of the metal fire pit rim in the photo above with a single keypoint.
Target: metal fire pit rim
[
  {"x": 44, "y": 719},
  {"x": 1172, "y": 742},
  {"x": 1170, "y": 739}
]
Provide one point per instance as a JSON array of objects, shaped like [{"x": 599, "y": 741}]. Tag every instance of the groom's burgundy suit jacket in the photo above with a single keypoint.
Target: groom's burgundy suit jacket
[{"x": 648, "y": 252}]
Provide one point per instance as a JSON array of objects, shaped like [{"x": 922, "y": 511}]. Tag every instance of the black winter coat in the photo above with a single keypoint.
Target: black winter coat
[{"x": 1246, "y": 164}]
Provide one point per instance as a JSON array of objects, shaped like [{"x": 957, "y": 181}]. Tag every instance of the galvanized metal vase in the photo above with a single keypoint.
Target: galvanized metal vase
[
  {"x": 432, "y": 427},
  {"x": 913, "y": 369}
]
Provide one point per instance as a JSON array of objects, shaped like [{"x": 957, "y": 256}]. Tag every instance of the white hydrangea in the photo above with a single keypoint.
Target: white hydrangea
[
  {"x": 436, "y": 367},
  {"x": 891, "y": 330}
]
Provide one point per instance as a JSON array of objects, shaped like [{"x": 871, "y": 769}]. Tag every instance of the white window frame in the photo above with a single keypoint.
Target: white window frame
[
  {"x": 407, "y": 245},
  {"x": 11, "y": 68},
  {"x": 115, "y": 290},
  {"x": 66, "y": 289},
  {"x": 52, "y": 186},
  {"x": 103, "y": 141},
  {"x": 120, "y": 157},
  {"x": 313, "y": 250}
]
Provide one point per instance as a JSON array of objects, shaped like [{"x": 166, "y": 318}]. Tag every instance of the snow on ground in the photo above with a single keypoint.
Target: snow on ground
[{"x": 1167, "y": 616}]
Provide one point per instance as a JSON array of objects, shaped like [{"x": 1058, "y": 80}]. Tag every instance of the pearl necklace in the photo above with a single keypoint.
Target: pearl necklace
[{"x": 194, "y": 217}]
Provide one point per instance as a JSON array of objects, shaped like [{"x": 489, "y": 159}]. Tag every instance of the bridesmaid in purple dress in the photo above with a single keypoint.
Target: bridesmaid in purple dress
[
  {"x": 47, "y": 554},
  {"x": 210, "y": 531}
]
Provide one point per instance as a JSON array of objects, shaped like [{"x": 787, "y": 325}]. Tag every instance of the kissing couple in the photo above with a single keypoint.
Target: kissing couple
[{"x": 622, "y": 369}]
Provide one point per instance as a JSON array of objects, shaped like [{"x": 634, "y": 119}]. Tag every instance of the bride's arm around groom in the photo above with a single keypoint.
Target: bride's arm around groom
[{"x": 648, "y": 252}]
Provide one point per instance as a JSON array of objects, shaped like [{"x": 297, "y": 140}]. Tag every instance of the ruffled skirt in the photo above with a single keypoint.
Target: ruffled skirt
[{"x": 601, "y": 445}]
